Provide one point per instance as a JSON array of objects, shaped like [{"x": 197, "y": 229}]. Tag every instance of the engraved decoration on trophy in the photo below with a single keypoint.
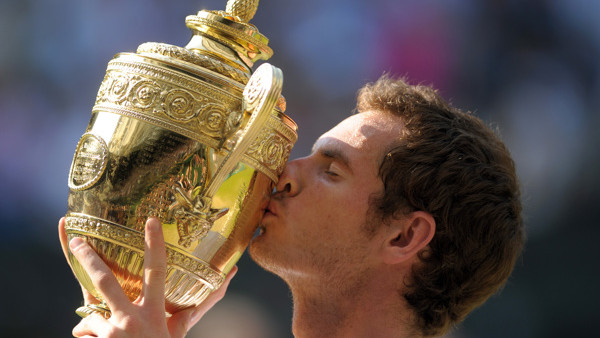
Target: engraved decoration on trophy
[{"x": 188, "y": 135}]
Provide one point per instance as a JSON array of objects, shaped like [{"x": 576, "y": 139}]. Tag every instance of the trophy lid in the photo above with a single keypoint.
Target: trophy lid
[
  {"x": 231, "y": 28},
  {"x": 222, "y": 41}
]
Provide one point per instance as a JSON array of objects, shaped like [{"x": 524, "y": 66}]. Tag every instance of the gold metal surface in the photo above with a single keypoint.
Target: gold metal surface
[
  {"x": 188, "y": 136},
  {"x": 231, "y": 29}
]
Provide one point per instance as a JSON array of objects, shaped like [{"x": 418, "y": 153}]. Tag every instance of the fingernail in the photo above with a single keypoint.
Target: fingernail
[
  {"x": 76, "y": 243},
  {"x": 153, "y": 224}
]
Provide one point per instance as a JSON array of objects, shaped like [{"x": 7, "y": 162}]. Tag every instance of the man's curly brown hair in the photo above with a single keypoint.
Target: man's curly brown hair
[{"x": 451, "y": 165}]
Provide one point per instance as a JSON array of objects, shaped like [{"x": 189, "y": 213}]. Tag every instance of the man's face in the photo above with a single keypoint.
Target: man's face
[{"x": 315, "y": 222}]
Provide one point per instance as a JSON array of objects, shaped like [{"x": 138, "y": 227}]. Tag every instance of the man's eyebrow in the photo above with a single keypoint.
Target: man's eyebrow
[{"x": 332, "y": 153}]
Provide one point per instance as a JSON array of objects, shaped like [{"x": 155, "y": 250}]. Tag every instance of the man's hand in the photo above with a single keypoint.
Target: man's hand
[{"x": 145, "y": 317}]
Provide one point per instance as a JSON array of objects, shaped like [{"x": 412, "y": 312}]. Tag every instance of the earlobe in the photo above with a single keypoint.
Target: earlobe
[{"x": 409, "y": 236}]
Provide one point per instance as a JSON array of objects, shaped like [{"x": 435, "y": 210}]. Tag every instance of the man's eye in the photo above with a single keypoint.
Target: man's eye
[
  {"x": 331, "y": 173},
  {"x": 332, "y": 170}
]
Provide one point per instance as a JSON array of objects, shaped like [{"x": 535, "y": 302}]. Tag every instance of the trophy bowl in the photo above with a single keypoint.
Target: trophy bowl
[{"x": 186, "y": 135}]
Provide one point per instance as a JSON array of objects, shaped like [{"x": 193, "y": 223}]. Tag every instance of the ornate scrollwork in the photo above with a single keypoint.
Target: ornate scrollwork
[
  {"x": 272, "y": 150},
  {"x": 179, "y": 105},
  {"x": 138, "y": 92},
  {"x": 144, "y": 94},
  {"x": 128, "y": 240},
  {"x": 117, "y": 89},
  {"x": 213, "y": 117},
  {"x": 151, "y": 97}
]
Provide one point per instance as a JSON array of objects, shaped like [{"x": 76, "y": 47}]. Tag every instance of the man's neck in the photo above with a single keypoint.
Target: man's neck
[{"x": 370, "y": 309}]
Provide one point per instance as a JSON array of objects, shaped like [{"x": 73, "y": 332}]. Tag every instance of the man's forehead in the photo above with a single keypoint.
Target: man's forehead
[
  {"x": 357, "y": 130},
  {"x": 336, "y": 140}
]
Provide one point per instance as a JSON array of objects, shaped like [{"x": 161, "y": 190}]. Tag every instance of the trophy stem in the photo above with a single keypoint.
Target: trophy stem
[{"x": 100, "y": 308}]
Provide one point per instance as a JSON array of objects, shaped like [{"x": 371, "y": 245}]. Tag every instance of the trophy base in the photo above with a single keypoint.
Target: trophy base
[{"x": 89, "y": 309}]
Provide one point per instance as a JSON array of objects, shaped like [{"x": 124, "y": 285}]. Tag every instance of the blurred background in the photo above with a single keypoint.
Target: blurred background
[{"x": 530, "y": 68}]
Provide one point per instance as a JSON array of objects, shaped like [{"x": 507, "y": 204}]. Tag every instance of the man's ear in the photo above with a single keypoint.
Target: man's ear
[{"x": 407, "y": 236}]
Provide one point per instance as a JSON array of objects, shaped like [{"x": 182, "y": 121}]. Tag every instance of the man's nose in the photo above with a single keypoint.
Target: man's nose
[{"x": 288, "y": 184}]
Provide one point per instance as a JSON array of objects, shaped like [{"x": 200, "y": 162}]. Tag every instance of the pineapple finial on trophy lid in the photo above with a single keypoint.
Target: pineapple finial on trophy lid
[{"x": 243, "y": 9}]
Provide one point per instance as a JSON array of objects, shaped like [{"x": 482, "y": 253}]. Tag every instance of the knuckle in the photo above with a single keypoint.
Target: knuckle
[
  {"x": 103, "y": 280},
  {"x": 83, "y": 249},
  {"x": 80, "y": 252},
  {"x": 157, "y": 272}
]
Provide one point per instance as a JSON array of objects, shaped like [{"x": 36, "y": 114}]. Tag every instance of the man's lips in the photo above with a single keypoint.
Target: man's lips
[{"x": 271, "y": 209}]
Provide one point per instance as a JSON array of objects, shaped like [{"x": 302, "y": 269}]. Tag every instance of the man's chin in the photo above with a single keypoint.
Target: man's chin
[
  {"x": 260, "y": 252},
  {"x": 256, "y": 251}
]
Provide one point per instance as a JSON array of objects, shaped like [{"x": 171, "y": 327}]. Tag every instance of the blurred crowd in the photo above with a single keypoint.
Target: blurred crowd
[{"x": 530, "y": 68}]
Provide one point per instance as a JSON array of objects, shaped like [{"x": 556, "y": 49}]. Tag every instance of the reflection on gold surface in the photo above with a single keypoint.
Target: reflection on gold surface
[{"x": 188, "y": 136}]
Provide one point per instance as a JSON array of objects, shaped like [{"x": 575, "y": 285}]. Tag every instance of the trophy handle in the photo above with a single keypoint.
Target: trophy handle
[{"x": 260, "y": 96}]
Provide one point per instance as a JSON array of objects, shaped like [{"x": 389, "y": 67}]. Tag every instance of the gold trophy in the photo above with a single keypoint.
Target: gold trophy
[{"x": 187, "y": 135}]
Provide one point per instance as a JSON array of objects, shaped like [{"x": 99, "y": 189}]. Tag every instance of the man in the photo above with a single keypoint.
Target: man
[{"x": 405, "y": 217}]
